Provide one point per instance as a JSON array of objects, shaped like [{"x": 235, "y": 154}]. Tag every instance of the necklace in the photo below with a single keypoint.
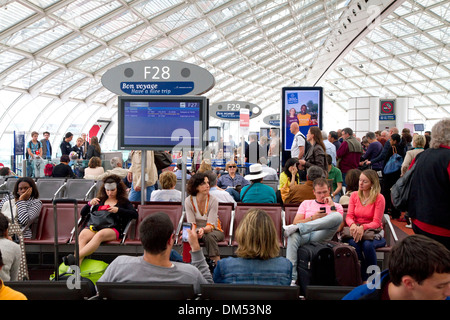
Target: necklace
[{"x": 365, "y": 201}]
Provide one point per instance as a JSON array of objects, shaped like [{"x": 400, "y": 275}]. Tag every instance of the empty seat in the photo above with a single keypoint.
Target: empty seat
[
  {"x": 50, "y": 188},
  {"x": 271, "y": 183},
  {"x": 78, "y": 188},
  {"x": 248, "y": 292},
  {"x": 225, "y": 216},
  {"x": 273, "y": 210},
  {"x": 46, "y": 226},
  {"x": 144, "y": 291},
  {"x": 173, "y": 209}
]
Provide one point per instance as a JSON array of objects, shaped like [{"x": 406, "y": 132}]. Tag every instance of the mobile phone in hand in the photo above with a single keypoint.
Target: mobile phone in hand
[{"x": 185, "y": 235}]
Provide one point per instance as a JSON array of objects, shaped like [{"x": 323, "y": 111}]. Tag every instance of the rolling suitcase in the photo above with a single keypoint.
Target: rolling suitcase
[
  {"x": 346, "y": 264},
  {"x": 15, "y": 232},
  {"x": 69, "y": 275},
  {"x": 315, "y": 265}
]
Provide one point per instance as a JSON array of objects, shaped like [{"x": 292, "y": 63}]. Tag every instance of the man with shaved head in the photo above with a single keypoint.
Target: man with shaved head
[{"x": 298, "y": 143}]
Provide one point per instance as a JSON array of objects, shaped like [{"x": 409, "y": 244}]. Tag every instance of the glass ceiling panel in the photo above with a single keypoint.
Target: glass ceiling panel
[
  {"x": 72, "y": 49},
  {"x": 116, "y": 26},
  {"x": 28, "y": 74},
  {"x": 80, "y": 13},
  {"x": 8, "y": 59},
  {"x": 13, "y": 13}
]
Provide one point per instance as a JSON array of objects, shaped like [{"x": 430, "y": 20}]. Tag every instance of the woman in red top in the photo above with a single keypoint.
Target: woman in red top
[{"x": 365, "y": 211}]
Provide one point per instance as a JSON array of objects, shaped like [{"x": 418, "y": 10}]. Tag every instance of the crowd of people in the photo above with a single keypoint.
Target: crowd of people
[{"x": 325, "y": 173}]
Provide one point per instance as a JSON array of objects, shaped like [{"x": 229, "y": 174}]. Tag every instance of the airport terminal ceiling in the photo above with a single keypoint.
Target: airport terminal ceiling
[{"x": 54, "y": 53}]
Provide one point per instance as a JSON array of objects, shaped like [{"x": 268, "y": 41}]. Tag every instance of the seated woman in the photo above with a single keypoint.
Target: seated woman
[
  {"x": 112, "y": 197},
  {"x": 352, "y": 182},
  {"x": 233, "y": 181},
  {"x": 168, "y": 181},
  {"x": 202, "y": 210},
  {"x": 288, "y": 178},
  {"x": 257, "y": 192},
  {"x": 258, "y": 260},
  {"x": 63, "y": 170},
  {"x": 365, "y": 211},
  {"x": 94, "y": 169},
  {"x": 26, "y": 205}
]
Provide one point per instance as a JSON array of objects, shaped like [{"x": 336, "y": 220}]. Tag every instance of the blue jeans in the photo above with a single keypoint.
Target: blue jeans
[
  {"x": 318, "y": 230},
  {"x": 366, "y": 250},
  {"x": 136, "y": 195},
  {"x": 236, "y": 196}
]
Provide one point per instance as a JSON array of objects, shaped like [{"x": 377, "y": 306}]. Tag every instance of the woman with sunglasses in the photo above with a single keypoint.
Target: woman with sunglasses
[
  {"x": 232, "y": 182},
  {"x": 112, "y": 197}
]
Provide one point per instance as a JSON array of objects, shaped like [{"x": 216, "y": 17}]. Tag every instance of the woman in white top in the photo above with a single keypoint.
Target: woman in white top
[
  {"x": 202, "y": 210},
  {"x": 94, "y": 169},
  {"x": 168, "y": 181},
  {"x": 418, "y": 145}
]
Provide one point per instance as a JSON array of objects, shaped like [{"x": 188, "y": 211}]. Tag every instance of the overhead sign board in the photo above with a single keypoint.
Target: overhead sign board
[
  {"x": 272, "y": 120},
  {"x": 387, "y": 107},
  {"x": 230, "y": 110},
  {"x": 158, "y": 78}
]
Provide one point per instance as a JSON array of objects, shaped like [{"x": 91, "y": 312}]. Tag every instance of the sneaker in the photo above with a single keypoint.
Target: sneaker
[
  {"x": 290, "y": 229},
  {"x": 69, "y": 260},
  {"x": 409, "y": 226}
]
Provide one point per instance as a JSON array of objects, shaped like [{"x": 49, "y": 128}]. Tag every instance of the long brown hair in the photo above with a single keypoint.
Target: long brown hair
[
  {"x": 318, "y": 137},
  {"x": 94, "y": 142}
]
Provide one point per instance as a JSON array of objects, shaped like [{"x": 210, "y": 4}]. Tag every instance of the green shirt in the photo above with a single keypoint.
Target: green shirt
[{"x": 336, "y": 175}]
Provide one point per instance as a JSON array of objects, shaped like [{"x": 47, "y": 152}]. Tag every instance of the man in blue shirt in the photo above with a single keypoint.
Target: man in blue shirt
[{"x": 257, "y": 192}]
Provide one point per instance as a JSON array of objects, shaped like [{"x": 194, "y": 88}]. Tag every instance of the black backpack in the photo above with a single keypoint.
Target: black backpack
[{"x": 307, "y": 143}]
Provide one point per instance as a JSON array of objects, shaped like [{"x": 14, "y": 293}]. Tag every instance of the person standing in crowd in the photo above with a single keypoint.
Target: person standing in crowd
[
  {"x": 365, "y": 212},
  {"x": 65, "y": 145},
  {"x": 374, "y": 149},
  {"x": 34, "y": 153},
  {"x": 94, "y": 149},
  {"x": 349, "y": 153},
  {"x": 134, "y": 175},
  {"x": 316, "y": 154},
  {"x": 334, "y": 139},
  {"x": 202, "y": 211},
  {"x": 418, "y": 143},
  {"x": 419, "y": 269},
  {"x": 85, "y": 145},
  {"x": 335, "y": 175},
  {"x": 430, "y": 187},
  {"x": 258, "y": 260},
  {"x": 298, "y": 143},
  {"x": 330, "y": 148},
  {"x": 46, "y": 146},
  {"x": 78, "y": 148},
  {"x": 389, "y": 179},
  {"x": 274, "y": 149}
]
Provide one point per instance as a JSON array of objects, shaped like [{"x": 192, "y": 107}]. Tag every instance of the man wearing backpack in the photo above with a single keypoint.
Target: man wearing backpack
[
  {"x": 299, "y": 143},
  {"x": 34, "y": 151}
]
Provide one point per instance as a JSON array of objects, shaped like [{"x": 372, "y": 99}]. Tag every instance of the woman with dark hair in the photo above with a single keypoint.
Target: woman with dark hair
[
  {"x": 63, "y": 170},
  {"x": 352, "y": 182},
  {"x": 94, "y": 149},
  {"x": 397, "y": 146},
  {"x": 26, "y": 205},
  {"x": 202, "y": 210},
  {"x": 111, "y": 198},
  {"x": 316, "y": 154},
  {"x": 288, "y": 178}
]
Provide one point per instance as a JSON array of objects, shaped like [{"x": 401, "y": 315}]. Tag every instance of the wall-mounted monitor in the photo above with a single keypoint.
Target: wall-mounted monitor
[
  {"x": 303, "y": 105},
  {"x": 162, "y": 123},
  {"x": 419, "y": 127}
]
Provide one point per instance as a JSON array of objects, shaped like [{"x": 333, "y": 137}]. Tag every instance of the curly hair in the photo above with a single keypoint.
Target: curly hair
[
  {"x": 196, "y": 180},
  {"x": 34, "y": 192},
  {"x": 122, "y": 196},
  {"x": 440, "y": 134}
]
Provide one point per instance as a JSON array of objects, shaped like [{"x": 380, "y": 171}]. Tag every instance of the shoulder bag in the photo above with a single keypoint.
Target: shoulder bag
[
  {"x": 100, "y": 219},
  {"x": 394, "y": 163}
]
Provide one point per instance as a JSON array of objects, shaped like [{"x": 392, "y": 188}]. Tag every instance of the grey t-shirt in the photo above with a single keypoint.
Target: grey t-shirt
[
  {"x": 11, "y": 255},
  {"x": 134, "y": 269}
]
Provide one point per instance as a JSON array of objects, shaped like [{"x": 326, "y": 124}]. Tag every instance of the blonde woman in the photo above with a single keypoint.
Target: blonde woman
[
  {"x": 258, "y": 260},
  {"x": 418, "y": 143},
  {"x": 365, "y": 211},
  {"x": 168, "y": 181}
]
